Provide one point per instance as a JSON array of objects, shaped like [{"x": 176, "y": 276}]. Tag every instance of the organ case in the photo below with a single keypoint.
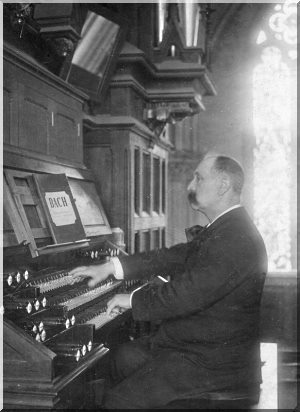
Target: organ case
[{"x": 56, "y": 335}]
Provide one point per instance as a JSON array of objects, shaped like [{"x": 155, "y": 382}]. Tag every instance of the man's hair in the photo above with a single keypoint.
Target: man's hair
[{"x": 232, "y": 168}]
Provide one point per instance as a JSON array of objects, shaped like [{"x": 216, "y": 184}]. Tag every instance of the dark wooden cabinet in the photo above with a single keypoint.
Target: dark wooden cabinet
[
  {"x": 43, "y": 137},
  {"x": 131, "y": 175},
  {"x": 31, "y": 381},
  {"x": 42, "y": 114}
]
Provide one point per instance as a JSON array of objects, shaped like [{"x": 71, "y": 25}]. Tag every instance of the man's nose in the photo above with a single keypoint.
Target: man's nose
[{"x": 191, "y": 185}]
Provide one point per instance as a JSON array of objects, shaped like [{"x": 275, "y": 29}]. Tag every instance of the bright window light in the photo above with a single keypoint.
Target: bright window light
[{"x": 272, "y": 156}]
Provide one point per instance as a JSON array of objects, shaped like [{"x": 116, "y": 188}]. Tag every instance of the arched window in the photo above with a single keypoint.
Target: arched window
[{"x": 273, "y": 153}]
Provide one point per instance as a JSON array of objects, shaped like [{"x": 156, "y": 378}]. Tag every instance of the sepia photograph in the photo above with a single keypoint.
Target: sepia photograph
[{"x": 149, "y": 213}]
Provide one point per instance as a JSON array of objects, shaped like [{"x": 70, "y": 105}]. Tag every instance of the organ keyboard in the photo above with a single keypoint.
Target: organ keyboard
[{"x": 64, "y": 316}]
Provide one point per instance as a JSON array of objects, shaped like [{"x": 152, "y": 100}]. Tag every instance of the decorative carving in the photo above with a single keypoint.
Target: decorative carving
[
  {"x": 157, "y": 115},
  {"x": 59, "y": 26},
  {"x": 62, "y": 46},
  {"x": 156, "y": 118},
  {"x": 20, "y": 14}
]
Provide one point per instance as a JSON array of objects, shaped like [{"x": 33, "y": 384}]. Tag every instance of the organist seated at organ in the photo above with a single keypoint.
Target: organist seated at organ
[{"x": 208, "y": 311}]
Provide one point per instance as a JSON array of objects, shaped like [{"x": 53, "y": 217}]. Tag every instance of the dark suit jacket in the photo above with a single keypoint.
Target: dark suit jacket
[{"x": 210, "y": 308}]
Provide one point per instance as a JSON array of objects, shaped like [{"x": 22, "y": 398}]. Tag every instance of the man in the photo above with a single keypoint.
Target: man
[{"x": 209, "y": 311}]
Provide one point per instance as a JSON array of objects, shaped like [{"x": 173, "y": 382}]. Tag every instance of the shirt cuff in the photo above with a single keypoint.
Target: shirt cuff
[
  {"x": 132, "y": 293},
  {"x": 119, "y": 273}
]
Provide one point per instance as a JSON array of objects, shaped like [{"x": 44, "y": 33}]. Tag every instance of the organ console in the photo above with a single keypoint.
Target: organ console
[{"x": 57, "y": 334}]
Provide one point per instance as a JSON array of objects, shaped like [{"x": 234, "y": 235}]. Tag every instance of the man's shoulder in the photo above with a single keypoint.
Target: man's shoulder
[
  {"x": 235, "y": 221},
  {"x": 237, "y": 231},
  {"x": 236, "y": 227}
]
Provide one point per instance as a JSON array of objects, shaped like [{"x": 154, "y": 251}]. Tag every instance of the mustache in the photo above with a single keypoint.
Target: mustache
[{"x": 192, "y": 197}]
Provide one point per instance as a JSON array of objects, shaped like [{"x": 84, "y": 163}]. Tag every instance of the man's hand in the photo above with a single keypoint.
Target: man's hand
[
  {"x": 97, "y": 273},
  {"x": 118, "y": 304}
]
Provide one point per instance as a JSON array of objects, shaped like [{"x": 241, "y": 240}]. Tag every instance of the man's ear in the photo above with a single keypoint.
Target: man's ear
[{"x": 225, "y": 184}]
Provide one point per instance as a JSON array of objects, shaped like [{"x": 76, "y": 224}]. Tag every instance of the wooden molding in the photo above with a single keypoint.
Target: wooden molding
[
  {"x": 21, "y": 159},
  {"x": 20, "y": 59}
]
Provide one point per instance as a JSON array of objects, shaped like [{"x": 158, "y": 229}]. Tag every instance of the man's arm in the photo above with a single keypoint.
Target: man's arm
[
  {"x": 208, "y": 280},
  {"x": 166, "y": 261},
  {"x": 124, "y": 300}
]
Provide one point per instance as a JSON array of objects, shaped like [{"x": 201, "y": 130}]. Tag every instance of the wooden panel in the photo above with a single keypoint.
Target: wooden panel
[
  {"x": 38, "y": 113},
  {"x": 103, "y": 158},
  {"x": 155, "y": 239},
  {"x": 10, "y": 105},
  {"x": 29, "y": 379},
  {"x": 156, "y": 185},
  {"x": 14, "y": 231},
  {"x": 9, "y": 236},
  {"x": 36, "y": 358},
  {"x": 288, "y": 377},
  {"x": 163, "y": 237},
  {"x": 146, "y": 182},
  {"x": 7, "y": 112},
  {"x": 279, "y": 309},
  {"x": 28, "y": 204},
  {"x": 137, "y": 181},
  {"x": 145, "y": 241},
  {"x": 163, "y": 186},
  {"x": 34, "y": 127},
  {"x": 137, "y": 242},
  {"x": 36, "y": 162},
  {"x": 65, "y": 144}
]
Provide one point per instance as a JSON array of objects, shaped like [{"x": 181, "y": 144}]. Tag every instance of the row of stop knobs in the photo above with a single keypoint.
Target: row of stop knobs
[
  {"x": 38, "y": 328},
  {"x": 75, "y": 351},
  {"x": 16, "y": 278}
]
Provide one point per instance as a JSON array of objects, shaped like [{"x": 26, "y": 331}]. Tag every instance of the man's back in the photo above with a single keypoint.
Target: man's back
[{"x": 226, "y": 264}]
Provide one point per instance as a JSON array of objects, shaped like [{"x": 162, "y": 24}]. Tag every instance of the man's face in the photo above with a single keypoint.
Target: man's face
[{"x": 203, "y": 189}]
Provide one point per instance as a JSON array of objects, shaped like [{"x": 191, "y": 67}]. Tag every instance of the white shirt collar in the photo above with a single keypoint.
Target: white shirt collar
[{"x": 223, "y": 213}]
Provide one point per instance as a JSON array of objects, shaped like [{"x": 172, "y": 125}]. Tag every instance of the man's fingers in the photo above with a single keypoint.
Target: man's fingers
[
  {"x": 111, "y": 304},
  {"x": 77, "y": 274},
  {"x": 77, "y": 271},
  {"x": 93, "y": 282},
  {"x": 118, "y": 304},
  {"x": 116, "y": 311},
  {"x": 76, "y": 279}
]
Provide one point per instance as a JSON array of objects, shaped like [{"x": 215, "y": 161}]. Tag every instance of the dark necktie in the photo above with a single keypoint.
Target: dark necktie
[{"x": 192, "y": 232}]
